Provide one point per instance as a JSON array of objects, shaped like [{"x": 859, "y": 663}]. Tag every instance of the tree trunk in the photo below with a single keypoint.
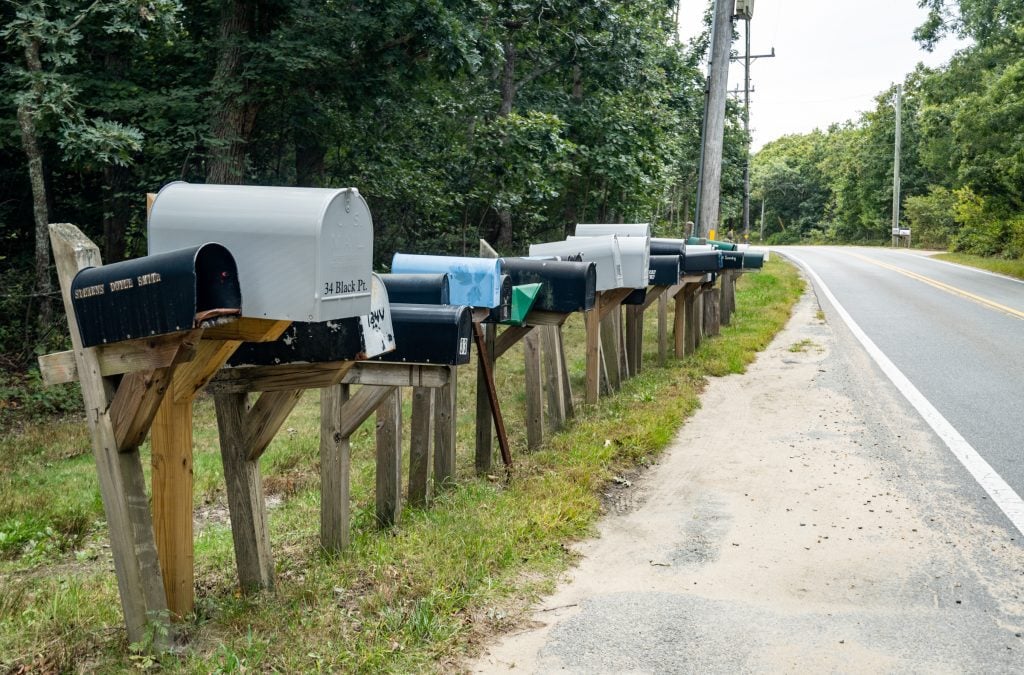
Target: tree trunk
[
  {"x": 27, "y": 112},
  {"x": 508, "y": 92},
  {"x": 570, "y": 213},
  {"x": 235, "y": 115},
  {"x": 309, "y": 157}
]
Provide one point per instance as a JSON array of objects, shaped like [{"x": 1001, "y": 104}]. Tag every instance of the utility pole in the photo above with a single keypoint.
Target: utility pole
[
  {"x": 896, "y": 167},
  {"x": 762, "y": 218},
  {"x": 746, "y": 133},
  {"x": 713, "y": 131}
]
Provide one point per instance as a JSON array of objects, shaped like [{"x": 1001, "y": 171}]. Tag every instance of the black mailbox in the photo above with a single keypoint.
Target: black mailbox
[
  {"x": 665, "y": 270},
  {"x": 753, "y": 260},
  {"x": 439, "y": 334},
  {"x": 660, "y": 246},
  {"x": 702, "y": 262},
  {"x": 732, "y": 260},
  {"x": 158, "y": 294},
  {"x": 567, "y": 286},
  {"x": 305, "y": 342},
  {"x": 504, "y": 309},
  {"x": 417, "y": 289}
]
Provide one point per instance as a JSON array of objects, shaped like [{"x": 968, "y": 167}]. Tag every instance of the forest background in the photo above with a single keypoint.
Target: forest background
[{"x": 511, "y": 121}]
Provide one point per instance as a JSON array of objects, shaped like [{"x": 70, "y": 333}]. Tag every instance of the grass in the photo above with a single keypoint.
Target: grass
[
  {"x": 416, "y": 598},
  {"x": 1011, "y": 268}
]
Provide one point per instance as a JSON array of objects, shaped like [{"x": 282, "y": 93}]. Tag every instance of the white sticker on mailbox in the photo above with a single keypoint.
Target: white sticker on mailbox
[{"x": 463, "y": 346}]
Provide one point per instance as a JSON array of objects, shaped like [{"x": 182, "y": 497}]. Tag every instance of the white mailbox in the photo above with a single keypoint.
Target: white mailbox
[
  {"x": 635, "y": 250},
  {"x": 602, "y": 251},
  {"x": 620, "y": 229},
  {"x": 303, "y": 254}
]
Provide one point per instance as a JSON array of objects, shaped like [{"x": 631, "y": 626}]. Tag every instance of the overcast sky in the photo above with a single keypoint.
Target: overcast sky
[{"x": 832, "y": 58}]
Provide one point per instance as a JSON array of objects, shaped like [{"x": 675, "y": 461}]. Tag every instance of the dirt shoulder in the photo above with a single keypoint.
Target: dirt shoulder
[{"x": 804, "y": 520}]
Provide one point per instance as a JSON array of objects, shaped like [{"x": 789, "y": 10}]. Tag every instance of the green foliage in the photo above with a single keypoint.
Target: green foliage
[{"x": 931, "y": 217}]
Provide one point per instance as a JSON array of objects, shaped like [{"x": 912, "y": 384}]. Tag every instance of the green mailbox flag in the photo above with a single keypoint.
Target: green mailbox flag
[{"x": 523, "y": 298}]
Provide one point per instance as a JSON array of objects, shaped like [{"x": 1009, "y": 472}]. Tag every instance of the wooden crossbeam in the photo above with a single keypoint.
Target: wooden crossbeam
[{"x": 130, "y": 356}]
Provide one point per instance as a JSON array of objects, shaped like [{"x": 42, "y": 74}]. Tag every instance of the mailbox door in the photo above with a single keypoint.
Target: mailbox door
[
  {"x": 438, "y": 334},
  {"x": 155, "y": 295},
  {"x": 635, "y": 261},
  {"x": 504, "y": 310},
  {"x": 565, "y": 286},
  {"x": 753, "y": 260},
  {"x": 665, "y": 270}
]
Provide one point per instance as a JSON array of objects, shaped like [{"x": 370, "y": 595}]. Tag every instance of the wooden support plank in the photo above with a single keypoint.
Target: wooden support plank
[
  {"x": 563, "y": 365},
  {"x": 421, "y": 436},
  {"x": 610, "y": 350},
  {"x": 625, "y": 371},
  {"x": 534, "y": 392},
  {"x": 249, "y": 530},
  {"x": 695, "y": 321},
  {"x": 120, "y": 477},
  {"x": 492, "y": 396},
  {"x": 592, "y": 325},
  {"x": 553, "y": 385},
  {"x": 508, "y": 338},
  {"x": 335, "y": 463},
  {"x": 122, "y": 357},
  {"x": 539, "y": 317},
  {"x": 265, "y": 418},
  {"x": 397, "y": 374},
  {"x": 210, "y": 356},
  {"x": 444, "y": 430},
  {"x": 725, "y": 300},
  {"x": 248, "y": 329},
  {"x": 654, "y": 293},
  {"x": 140, "y": 394},
  {"x": 611, "y": 300},
  {"x": 680, "y": 323},
  {"x": 484, "y": 438},
  {"x": 358, "y": 408},
  {"x": 285, "y": 377},
  {"x": 710, "y": 297},
  {"x": 662, "y": 329},
  {"x": 389, "y": 458},
  {"x": 634, "y": 344}
]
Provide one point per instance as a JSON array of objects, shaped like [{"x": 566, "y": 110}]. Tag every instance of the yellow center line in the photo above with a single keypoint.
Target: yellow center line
[{"x": 944, "y": 287}]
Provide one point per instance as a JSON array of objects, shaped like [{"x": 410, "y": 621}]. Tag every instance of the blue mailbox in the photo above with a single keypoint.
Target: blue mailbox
[{"x": 476, "y": 282}]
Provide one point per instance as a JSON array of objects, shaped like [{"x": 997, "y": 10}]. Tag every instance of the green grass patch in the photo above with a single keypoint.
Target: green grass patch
[
  {"x": 1011, "y": 268},
  {"x": 416, "y": 598}
]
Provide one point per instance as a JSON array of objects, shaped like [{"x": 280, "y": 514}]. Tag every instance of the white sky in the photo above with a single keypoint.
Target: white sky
[{"x": 831, "y": 58}]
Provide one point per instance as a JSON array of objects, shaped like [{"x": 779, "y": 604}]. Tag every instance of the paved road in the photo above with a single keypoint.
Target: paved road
[
  {"x": 829, "y": 528},
  {"x": 956, "y": 333}
]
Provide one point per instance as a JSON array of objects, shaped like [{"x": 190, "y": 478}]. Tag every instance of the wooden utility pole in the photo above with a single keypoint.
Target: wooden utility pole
[
  {"x": 710, "y": 180},
  {"x": 896, "y": 167}
]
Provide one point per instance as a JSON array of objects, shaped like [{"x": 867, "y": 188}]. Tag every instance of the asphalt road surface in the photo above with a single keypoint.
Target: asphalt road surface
[
  {"x": 831, "y": 526},
  {"x": 956, "y": 333}
]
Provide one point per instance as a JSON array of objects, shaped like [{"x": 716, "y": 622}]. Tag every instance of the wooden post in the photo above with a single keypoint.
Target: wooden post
[
  {"x": 389, "y": 459},
  {"x": 662, "y": 329},
  {"x": 444, "y": 431},
  {"x": 171, "y": 462},
  {"x": 120, "y": 477},
  {"x": 691, "y": 312},
  {"x": 534, "y": 392},
  {"x": 634, "y": 338},
  {"x": 563, "y": 364},
  {"x": 680, "y": 321},
  {"x": 421, "y": 436},
  {"x": 335, "y": 463},
  {"x": 553, "y": 384},
  {"x": 245, "y": 495},
  {"x": 484, "y": 437},
  {"x": 610, "y": 349},
  {"x": 592, "y": 325}
]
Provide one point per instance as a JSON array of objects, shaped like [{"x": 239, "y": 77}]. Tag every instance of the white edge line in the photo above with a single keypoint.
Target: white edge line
[{"x": 1008, "y": 501}]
